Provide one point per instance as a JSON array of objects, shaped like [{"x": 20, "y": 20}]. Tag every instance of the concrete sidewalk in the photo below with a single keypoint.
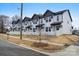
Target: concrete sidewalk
[{"x": 69, "y": 51}]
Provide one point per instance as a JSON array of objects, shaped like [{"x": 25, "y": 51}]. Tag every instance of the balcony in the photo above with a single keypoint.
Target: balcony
[
  {"x": 29, "y": 26},
  {"x": 56, "y": 23},
  {"x": 39, "y": 26}
]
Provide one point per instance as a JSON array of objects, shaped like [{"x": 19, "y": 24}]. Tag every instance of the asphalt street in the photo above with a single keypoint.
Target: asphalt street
[{"x": 9, "y": 49}]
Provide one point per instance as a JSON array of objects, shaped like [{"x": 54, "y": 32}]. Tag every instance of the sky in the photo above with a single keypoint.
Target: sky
[{"x": 11, "y": 9}]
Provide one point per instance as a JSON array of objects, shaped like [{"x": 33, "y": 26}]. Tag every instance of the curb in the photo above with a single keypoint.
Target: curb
[{"x": 22, "y": 45}]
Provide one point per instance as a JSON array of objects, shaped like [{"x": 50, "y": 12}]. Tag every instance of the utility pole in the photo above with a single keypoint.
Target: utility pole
[{"x": 21, "y": 21}]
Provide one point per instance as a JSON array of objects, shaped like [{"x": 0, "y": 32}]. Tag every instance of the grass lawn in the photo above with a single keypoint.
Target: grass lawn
[
  {"x": 56, "y": 39},
  {"x": 48, "y": 48}
]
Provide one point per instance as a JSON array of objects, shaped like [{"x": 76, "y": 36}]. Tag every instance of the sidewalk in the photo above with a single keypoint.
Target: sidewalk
[{"x": 69, "y": 51}]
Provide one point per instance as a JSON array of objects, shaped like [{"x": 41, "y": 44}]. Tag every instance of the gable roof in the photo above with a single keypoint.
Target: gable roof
[
  {"x": 13, "y": 22},
  {"x": 36, "y": 16},
  {"x": 26, "y": 19},
  {"x": 48, "y": 12},
  {"x": 61, "y": 12},
  {"x": 54, "y": 13},
  {"x": 70, "y": 15},
  {"x": 18, "y": 21}
]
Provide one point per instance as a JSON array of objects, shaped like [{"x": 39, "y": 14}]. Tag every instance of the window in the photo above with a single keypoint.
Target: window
[
  {"x": 41, "y": 20},
  {"x": 57, "y": 28},
  {"x": 46, "y": 29},
  {"x": 35, "y": 22},
  {"x": 46, "y": 19},
  {"x": 18, "y": 29},
  {"x": 33, "y": 29},
  {"x": 50, "y": 29},
  {"x": 52, "y": 16},
  {"x": 49, "y": 19},
  {"x": 72, "y": 27},
  {"x": 57, "y": 18},
  {"x": 30, "y": 28},
  {"x": 68, "y": 22},
  {"x": 25, "y": 23}
]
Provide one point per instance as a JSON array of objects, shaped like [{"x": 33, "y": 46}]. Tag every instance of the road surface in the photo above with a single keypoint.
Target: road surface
[{"x": 8, "y": 49}]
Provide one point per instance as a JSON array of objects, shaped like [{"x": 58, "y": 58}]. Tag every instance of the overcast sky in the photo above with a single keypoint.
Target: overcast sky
[{"x": 11, "y": 9}]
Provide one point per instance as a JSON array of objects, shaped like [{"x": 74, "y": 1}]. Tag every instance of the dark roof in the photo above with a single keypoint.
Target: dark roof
[
  {"x": 49, "y": 13},
  {"x": 46, "y": 14},
  {"x": 70, "y": 15},
  {"x": 26, "y": 19},
  {"x": 14, "y": 22},
  {"x": 18, "y": 21},
  {"x": 61, "y": 12},
  {"x": 36, "y": 16},
  {"x": 54, "y": 13}
]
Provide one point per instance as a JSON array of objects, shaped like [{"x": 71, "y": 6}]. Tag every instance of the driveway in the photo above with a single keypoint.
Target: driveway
[
  {"x": 8, "y": 49},
  {"x": 72, "y": 50}
]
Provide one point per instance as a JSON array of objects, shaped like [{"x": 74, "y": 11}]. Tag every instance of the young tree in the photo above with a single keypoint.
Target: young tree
[{"x": 39, "y": 27}]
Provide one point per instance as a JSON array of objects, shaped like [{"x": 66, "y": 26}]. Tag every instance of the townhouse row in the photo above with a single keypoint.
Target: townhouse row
[{"x": 49, "y": 23}]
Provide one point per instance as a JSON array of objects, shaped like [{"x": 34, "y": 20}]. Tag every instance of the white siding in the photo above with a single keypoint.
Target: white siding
[
  {"x": 66, "y": 23},
  {"x": 65, "y": 29}
]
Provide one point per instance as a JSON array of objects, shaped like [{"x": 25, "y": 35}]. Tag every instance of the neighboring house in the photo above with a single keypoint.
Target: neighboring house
[
  {"x": 16, "y": 25},
  {"x": 15, "y": 29},
  {"x": 50, "y": 23},
  {"x": 27, "y": 25},
  {"x": 3, "y": 23}
]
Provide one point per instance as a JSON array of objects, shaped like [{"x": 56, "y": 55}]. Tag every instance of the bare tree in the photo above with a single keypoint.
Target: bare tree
[
  {"x": 15, "y": 17},
  {"x": 3, "y": 22},
  {"x": 40, "y": 27}
]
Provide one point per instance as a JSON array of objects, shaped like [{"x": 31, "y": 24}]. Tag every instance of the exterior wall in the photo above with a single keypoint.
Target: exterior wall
[
  {"x": 67, "y": 24},
  {"x": 65, "y": 29}
]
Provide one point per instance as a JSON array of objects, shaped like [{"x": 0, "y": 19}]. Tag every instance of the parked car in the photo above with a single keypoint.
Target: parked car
[{"x": 75, "y": 32}]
